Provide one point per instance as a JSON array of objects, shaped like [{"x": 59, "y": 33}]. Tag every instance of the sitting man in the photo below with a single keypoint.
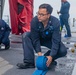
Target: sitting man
[
  {"x": 4, "y": 34},
  {"x": 45, "y": 31}
]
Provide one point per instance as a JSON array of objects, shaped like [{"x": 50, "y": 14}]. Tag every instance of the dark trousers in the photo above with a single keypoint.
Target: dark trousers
[
  {"x": 29, "y": 49},
  {"x": 64, "y": 21},
  {"x": 5, "y": 41}
]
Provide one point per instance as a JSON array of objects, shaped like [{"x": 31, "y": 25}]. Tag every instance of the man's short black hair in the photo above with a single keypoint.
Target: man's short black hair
[{"x": 48, "y": 7}]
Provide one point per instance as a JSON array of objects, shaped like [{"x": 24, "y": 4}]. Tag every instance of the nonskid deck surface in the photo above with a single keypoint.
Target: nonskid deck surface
[{"x": 9, "y": 58}]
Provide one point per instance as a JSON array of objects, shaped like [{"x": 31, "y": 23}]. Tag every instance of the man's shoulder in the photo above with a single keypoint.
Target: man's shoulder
[
  {"x": 2, "y": 22},
  {"x": 34, "y": 22},
  {"x": 53, "y": 18},
  {"x": 67, "y": 3},
  {"x": 35, "y": 19},
  {"x": 55, "y": 21}
]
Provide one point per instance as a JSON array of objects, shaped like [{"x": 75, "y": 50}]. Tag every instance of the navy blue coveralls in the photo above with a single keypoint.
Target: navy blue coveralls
[
  {"x": 65, "y": 6},
  {"x": 4, "y": 33},
  {"x": 40, "y": 36}
]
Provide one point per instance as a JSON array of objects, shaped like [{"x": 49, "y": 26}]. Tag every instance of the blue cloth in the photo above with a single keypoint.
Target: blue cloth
[{"x": 41, "y": 66}]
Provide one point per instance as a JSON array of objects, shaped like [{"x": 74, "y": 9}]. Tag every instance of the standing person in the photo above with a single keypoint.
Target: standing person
[
  {"x": 4, "y": 34},
  {"x": 64, "y": 11},
  {"x": 45, "y": 31}
]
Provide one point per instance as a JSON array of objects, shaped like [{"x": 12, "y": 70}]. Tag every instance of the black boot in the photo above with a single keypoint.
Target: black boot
[
  {"x": 25, "y": 65},
  {"x": 7, "y": 47}
]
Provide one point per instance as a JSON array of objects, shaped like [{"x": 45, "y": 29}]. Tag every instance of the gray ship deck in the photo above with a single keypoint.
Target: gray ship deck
[{"x": 9, "y": 58}]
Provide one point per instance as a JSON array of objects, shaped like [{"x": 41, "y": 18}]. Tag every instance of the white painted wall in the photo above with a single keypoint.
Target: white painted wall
[
  {"x": 6, "y": 14},
  {"x": 56, "y": 6},
  {"x": 54, "y": 3}
]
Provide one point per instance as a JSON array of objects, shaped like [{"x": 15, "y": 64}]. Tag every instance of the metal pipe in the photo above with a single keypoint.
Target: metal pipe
[
  {"x": 74, "y": 22},
  {"x": 1, "y": 8}
]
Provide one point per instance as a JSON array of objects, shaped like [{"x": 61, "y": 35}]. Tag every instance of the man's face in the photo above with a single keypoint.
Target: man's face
[{"x": 43, "y": 15}]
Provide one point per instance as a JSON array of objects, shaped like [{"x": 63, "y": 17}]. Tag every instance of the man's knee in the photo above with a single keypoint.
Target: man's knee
[
  {"x": 63, "y": 52},
  {"x": 26, "y": 34}
]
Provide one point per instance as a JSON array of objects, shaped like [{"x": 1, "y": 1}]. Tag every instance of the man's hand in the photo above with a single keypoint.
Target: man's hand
[
  {"x": 39, "y": 54},
  {"x": 49, "y": 61}
]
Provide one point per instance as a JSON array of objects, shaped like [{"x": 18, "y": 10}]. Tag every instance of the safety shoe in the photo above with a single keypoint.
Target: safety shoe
[
  {"x": 25, "y": 65},
  {"x": 66, "y": 36},
  {"x": 0, "y": 46},
  {"x": 7, "y": 47}
]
